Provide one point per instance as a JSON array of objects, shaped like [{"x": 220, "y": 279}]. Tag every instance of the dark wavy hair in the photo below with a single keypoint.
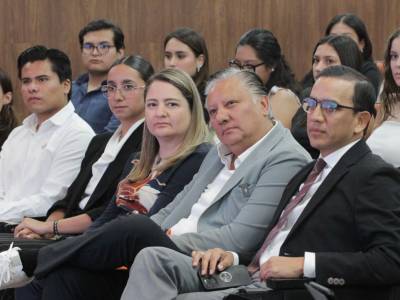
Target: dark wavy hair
[
  {"x": 268, "y": 50},
  {"x": 7, "y": 117},
  {"x": 347, "y": 50},
  {"x": 391, "y": 91},
  {"x": 354, "y": 22}
]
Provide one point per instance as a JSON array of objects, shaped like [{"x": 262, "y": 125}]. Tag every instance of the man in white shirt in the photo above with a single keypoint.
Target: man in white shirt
[
  {"x": 338, "y": 224},
  {"x": 40, "y": 158}
]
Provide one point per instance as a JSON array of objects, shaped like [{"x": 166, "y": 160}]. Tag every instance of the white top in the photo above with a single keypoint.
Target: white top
[
  {"x": 38, "y": 165},
  {"x": 385, "y": 141},
  {"x": 274, "y": 247},
  {"x": 207, "y": 198},
  {"x": 111, "y": 151}
]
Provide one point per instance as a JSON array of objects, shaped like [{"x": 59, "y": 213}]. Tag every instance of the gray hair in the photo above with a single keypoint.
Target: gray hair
[{"x": 249, "y": 80}]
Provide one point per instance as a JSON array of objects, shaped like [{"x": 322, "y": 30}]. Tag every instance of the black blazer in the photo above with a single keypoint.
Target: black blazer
[
  {"x": 352, "y": 222},
  {"x": 107, "y": 185}
]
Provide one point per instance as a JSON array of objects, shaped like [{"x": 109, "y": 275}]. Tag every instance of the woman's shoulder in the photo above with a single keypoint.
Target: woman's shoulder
[
  {"x": 283, "y": 93},
  {"x": 203, "y": 148}
]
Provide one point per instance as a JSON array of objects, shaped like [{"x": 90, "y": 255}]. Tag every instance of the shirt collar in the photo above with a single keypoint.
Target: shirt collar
[
  {"x": 226, "y": 155},
  {"x": 57, "y": 119},
  {"x": 134, "y": 126},
  {"x": 333, "y": 158},
  {"x": 82, "y": 79}
]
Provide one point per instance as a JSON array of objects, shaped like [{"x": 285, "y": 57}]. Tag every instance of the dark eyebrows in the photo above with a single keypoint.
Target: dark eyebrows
[{"x": 128, "y": 81}]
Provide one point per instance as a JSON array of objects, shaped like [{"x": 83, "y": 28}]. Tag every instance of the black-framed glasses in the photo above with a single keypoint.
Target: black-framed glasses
[
  {"x": 102, "y": 48},
  {"x": 125, "y": 89},
  {"x": 233, "y": 63},
  {"x": 327, "y": 106}
]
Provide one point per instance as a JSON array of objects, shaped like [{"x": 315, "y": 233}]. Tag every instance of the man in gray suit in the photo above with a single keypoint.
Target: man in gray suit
[
  {"x": 229, "y": 203},
  {"x": 338, "y": 220}
]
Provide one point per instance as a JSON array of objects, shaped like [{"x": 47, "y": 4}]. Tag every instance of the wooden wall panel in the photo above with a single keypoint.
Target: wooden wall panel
[{"x": 298, "y": 24}]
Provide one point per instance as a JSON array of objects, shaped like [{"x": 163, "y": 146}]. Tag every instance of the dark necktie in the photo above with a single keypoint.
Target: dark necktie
[{"x": 318, "y": 167}]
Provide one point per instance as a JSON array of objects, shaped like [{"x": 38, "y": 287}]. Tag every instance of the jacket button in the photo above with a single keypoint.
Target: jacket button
[
  {"x": 341, "y": 281},
  {"x": 330, "y": 280}
]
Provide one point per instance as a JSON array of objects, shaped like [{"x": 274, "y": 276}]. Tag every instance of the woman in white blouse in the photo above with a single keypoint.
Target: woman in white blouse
[{"x": 385, "y": 140}]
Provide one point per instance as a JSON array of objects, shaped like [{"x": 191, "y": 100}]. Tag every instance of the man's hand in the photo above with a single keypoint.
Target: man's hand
[
  {"x": 282, "y": 267},
  {"x": 34, "y": 226},
  {"x": 210, "y": 260}
]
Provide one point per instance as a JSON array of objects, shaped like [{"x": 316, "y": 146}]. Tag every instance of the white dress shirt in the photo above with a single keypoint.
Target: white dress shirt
[
  {"x": 275, "y": 245},
  {"x": 207, "y": 198},
  {"x": 111, "y": 151},
  {"x": 38, "y": 165}
]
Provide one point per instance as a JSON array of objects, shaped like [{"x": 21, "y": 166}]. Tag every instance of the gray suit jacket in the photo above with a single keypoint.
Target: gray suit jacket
[{"x": 238, "y": 219}]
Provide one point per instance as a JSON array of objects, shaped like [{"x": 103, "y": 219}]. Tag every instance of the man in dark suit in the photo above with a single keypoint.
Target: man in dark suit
[{"x": 339, "y": 224}]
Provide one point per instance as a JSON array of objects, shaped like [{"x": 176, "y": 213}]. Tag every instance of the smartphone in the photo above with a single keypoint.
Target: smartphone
[{"x": 233, "y": 276}]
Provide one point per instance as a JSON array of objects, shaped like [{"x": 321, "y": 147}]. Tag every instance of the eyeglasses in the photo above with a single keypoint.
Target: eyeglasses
[
  {"x": 233, "y": 63},
  {"x": 102, "y": 48},
  {"x": 125, "y": 89},
  {"x": 327, "y": 106}
]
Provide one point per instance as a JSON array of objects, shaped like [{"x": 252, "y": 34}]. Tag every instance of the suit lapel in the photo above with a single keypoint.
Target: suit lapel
[
  {"x": 115, "y": 168},
  {"x": 291, "y": 189},
  {"x": 245, "y": 167},
  {"x": 352, "y": 156}
]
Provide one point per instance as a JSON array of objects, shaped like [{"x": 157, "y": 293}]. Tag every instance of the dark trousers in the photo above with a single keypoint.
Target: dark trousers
[
  {"x": 83, "y": 267},
  {"x": 73, "y": 283},
  {"x": 7, "y": 227}
]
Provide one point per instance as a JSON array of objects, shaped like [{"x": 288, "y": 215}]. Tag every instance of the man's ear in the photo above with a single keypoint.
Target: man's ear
[
  {"x": 363, "y": 119},
  {"x": 67, "y": 86},
  {"x": 264, "y": 102}
]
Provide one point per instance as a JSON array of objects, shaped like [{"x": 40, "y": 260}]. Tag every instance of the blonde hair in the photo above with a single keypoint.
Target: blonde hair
[{"x": 197, "y": 133}]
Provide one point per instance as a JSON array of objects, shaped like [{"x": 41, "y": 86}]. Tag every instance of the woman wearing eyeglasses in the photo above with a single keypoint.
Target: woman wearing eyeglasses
[
  {"x": 186, "y": 49},
  {"x": 329, "y": 51},
  {"x": 258, "y": 50},
  {"x": 384, "y": 140},
  {"x": 7, "y": 117}
]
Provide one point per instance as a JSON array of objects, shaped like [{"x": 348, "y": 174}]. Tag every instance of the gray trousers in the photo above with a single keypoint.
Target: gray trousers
[{"x": 162, "y": 273}]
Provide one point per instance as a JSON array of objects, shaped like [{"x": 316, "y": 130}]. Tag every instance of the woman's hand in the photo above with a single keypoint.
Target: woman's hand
[{"x": 32, "y": 228}]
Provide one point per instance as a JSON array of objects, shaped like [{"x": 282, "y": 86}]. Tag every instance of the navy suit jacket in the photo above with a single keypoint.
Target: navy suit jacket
[{"x": 352, "y": 222}]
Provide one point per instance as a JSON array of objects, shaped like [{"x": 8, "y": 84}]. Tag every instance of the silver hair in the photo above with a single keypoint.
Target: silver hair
[{"x": 249, "y": 79}]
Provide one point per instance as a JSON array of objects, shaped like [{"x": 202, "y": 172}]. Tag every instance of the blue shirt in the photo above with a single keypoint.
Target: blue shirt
[{"x": 92, "y": 106}]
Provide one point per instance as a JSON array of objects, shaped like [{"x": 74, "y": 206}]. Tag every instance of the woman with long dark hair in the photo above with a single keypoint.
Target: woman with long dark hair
[
  {"x": 329, "y": 51},
  {"x": 258, "y": 50},
  {"x": 384, "y": 140},
  {"x": 186, "y": 49},
  {"x": 7, "y": 118},
  {"x": 351, "y": 25}
]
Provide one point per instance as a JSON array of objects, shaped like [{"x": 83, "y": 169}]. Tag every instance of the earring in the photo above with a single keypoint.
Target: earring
[
  {"x": 272, "y": 69},
  {"x": 198, "y": 67}
]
